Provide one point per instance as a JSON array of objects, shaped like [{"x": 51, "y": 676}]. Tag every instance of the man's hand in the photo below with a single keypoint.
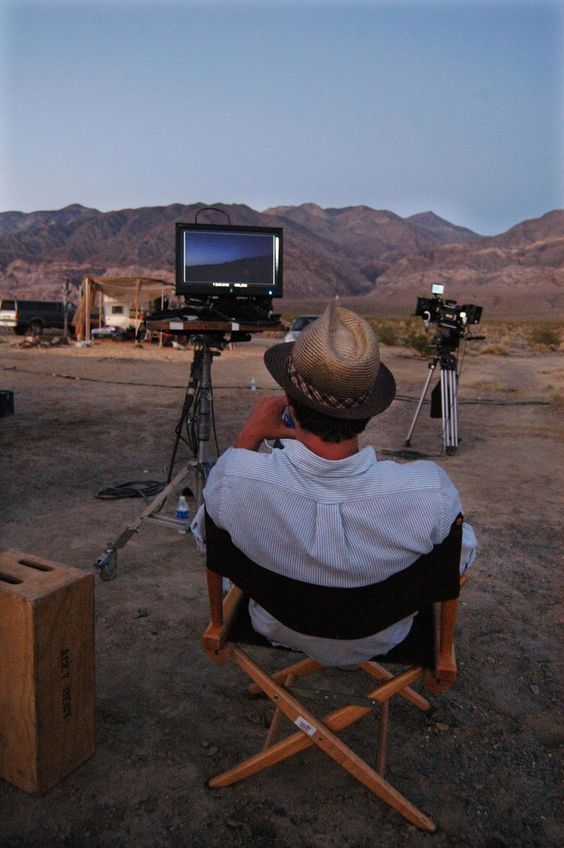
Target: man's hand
[{"x": 265, "y": 422}]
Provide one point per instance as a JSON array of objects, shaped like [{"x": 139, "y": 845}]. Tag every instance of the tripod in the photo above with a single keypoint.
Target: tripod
[
  {"x": 197, "y": 411},
  {"x": 446, "y": 360},
  {"x": 197, "y": 418}
]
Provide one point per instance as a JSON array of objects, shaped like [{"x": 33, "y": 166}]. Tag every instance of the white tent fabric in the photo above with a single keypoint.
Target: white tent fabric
[{"x": 137, "y": 289}]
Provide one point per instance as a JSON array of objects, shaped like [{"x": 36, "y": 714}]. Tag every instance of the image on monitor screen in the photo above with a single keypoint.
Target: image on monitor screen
[{"x": 228, "y": 260}]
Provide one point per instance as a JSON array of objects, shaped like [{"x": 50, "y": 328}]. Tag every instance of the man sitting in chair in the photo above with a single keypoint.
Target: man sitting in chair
[{"x": 321, "y": 510}]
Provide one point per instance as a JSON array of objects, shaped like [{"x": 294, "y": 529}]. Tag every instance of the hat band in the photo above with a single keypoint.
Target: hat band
[{"x": 314, "y": 394}]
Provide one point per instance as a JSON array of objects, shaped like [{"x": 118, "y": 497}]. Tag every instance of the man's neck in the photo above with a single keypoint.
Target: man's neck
[{"x": 327, "y": 450}]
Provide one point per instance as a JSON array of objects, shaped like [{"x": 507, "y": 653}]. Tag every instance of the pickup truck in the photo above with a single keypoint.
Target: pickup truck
[{"x": 33, "y": 316}]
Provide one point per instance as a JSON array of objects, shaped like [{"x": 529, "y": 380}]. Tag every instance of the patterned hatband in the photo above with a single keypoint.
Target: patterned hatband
[{"x": 313, "y": 394}]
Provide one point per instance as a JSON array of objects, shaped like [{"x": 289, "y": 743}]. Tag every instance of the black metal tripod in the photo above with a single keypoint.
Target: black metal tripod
[
  {"x": 446, "y": 360},
  {"x": 196, "y": 418},
  {"x": 197, "y": 412}
]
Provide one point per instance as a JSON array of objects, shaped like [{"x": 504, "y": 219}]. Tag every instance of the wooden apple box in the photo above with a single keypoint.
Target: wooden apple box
[{"x": 47, "y": 686}]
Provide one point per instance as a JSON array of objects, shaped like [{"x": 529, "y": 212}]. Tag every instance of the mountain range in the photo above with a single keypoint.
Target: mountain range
[{"x": 382, "y": 260}]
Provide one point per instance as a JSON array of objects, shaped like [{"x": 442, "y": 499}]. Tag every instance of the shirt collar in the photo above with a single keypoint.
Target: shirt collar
[{"x": 307, "y": 461}]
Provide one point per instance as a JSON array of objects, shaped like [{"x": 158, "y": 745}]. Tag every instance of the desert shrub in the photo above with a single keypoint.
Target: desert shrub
[
  {"x": 545, "y": 336},
  {"x": 418, "y": 341},
  {"x": 501, "y": 348},
  {"x": 387, "y": 332}
]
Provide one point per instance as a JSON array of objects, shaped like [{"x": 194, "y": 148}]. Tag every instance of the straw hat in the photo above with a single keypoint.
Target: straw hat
[{"x": 334, "y": 367}]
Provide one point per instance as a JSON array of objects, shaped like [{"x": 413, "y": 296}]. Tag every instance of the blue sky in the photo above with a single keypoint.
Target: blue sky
[{"x": 408, "y": 105}]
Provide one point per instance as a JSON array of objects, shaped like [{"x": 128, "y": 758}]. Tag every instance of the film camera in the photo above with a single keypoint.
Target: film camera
[
  {"x": 452, "y": 322},
  {"x": 446, "y": 313}
]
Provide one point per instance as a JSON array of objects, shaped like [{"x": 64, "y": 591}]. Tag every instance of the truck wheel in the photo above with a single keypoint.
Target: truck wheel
[{"x": 35, "y": 328}]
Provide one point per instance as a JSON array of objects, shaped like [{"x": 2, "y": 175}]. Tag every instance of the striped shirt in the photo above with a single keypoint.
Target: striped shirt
[{"x": 344, "y": 523}]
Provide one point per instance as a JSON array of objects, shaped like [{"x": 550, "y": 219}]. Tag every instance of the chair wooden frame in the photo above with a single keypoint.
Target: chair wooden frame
[{"x": 323, "y": 732}]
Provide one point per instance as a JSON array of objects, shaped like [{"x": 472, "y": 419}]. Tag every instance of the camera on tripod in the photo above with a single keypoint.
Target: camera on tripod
[
  {"x": 452, "y": 322},
  {"x": 446, "y": 314}
]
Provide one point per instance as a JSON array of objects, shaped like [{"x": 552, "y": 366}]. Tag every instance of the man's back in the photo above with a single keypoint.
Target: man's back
[
  {"x": 336, "y": 523},
  {"x": 343, "y": 523}
]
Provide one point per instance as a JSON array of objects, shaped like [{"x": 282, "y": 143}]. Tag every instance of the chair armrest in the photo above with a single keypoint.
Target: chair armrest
[
  {"x": 445, "y": 662},
  {"x": 215, "y": 595},
  {"x": 444, "y": 673}
]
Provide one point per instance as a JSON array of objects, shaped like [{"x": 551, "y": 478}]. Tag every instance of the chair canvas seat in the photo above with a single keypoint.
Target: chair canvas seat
[
  {"x": 418, "y": 647},
  {"x": 429, "y": 588},
  {"x": 334, "y": 612}
]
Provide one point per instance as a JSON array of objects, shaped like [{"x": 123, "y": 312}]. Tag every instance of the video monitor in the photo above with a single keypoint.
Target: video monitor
[{"x": 228, "y": 261}]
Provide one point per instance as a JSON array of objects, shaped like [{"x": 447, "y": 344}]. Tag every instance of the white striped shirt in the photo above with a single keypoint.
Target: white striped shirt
[{"x": 344, "y": 523}]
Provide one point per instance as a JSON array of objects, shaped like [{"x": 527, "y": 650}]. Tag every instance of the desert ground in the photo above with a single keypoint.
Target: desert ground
[{"x": 484, "y": 763}]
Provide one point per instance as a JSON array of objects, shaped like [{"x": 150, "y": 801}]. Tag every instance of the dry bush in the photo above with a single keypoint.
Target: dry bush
[
  {"x": 501, "y": 347},
  {"x": 387, "y": 332},
  {"x": 502, "y": 338},
  {"x": 419, "y": 342},
  {"x": 492, "y": 387},
  {"x": 545, "y": 336}
]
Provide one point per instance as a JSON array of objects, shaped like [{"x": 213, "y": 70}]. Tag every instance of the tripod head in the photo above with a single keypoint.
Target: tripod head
[
  {"x": 217, "y": 341},
  {"x": 446, "y": 341}
]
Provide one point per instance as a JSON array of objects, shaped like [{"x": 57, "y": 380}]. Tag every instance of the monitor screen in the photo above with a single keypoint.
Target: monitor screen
[{"x": 228, "y": 261}]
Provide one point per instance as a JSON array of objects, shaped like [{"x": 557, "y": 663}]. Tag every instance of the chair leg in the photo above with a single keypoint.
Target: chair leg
[
  {"x": 378, "y": 671},
  {"x": 382, "y": 738},
  {"x": 299, "y": 669},
  {"x": 276, "y": 718},
  {"x": 314, "y": 731},
  {"x": 296, "y": 742}
]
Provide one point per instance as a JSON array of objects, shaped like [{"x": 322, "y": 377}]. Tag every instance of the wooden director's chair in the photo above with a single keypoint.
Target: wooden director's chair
[{"x": 431, "y": 586}]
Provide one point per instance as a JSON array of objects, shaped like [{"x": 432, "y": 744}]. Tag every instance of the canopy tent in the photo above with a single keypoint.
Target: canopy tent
[{"x": 136, "y": 289}]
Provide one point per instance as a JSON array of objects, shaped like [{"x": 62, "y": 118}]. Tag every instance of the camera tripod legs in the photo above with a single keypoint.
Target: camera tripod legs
[
  {"x": 432, "y": 367},
  {"x": 197, "y": 406},
  {"x": 449, "y": 408},
  {"x": 449, "y": 402},
  {"x": 203, "y": 463},
  {"x": 107, "y": 561}
]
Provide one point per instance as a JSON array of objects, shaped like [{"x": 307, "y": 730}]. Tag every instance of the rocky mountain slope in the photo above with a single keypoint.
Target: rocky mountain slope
[{"x": 353, "y": 251}]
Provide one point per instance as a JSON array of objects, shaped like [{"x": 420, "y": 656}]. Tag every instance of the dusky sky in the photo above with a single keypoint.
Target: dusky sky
[{"x": 453, "y": 106}]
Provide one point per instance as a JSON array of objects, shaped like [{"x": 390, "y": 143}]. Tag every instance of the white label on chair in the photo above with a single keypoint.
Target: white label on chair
[
  {"x": 176, "y": 325},
  {"x": 304, "y": 725}
]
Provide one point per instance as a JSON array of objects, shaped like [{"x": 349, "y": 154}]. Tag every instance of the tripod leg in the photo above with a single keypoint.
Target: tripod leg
[
  {"x": 449, "y": 409},
  {"x": 454, "y": 414},
  {"x": 195, "y": 376},
  {"x": 454, "y": 410},
  {"x": 432, "y": 366},
  {"x": 204, "y": 425}
]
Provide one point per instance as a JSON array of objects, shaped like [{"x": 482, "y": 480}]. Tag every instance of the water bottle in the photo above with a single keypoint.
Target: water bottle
[
  {"x": 253, "y": 385},
  {"x": 182, "y": 511}
]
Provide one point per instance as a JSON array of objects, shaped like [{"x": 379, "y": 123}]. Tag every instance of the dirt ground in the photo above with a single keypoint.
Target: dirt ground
[{"x": 483, "y": 764}]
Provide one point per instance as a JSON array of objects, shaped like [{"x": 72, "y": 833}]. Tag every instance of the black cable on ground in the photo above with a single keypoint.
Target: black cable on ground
[
  {"x": 404, "y": 398},
  {"x": 133, "y": 489}
]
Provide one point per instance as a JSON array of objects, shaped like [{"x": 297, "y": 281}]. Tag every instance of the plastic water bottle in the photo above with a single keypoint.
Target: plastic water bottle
[
  {"x": 253, "y": 385},
  {"x": 182, "y": 511}
]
